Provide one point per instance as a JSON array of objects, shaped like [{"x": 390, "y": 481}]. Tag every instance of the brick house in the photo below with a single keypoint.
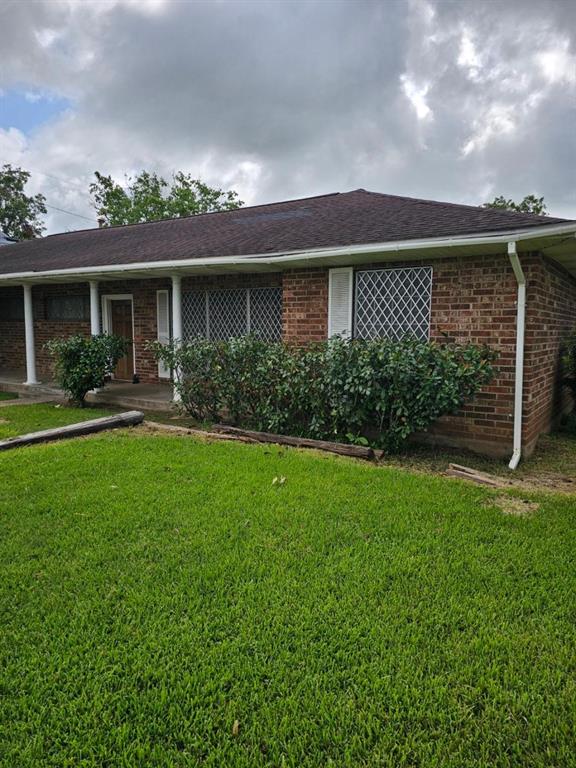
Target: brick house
[{"x": 356, "y": 264}]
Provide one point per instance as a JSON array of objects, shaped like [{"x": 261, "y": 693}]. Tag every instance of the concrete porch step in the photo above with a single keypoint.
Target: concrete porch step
[{"x": 32, "y": 391}]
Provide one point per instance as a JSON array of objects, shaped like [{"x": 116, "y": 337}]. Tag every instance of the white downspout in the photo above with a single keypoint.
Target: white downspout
[{"x": 520, "y": 332}]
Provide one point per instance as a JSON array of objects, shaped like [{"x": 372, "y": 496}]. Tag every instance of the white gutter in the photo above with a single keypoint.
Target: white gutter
[
  {"x": 520, "y": 333},
  {"x": 285, "y": 257}
]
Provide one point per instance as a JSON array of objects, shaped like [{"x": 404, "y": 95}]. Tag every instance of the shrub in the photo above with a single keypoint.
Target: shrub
[
  {"x": 332, "y": 390},
  {"x": 83, "y": 363}
]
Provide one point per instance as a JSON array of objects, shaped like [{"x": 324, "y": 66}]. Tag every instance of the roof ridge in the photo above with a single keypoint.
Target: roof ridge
[
  {"x": 198, "y": 215},
  {"x": 535, "y": 216}
]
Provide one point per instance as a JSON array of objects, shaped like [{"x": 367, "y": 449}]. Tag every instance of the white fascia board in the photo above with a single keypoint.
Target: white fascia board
[{"x": 285, "y": 257}]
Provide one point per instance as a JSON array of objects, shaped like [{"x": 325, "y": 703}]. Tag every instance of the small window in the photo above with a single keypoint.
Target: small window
[
  {"x": 64, "y": 308},
  {"x": 393, "y": 303},
  {"x": 12, "y": 308}
]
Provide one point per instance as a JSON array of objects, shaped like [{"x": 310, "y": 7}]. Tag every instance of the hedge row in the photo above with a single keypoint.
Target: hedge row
[{"x": 339, "y": 390}]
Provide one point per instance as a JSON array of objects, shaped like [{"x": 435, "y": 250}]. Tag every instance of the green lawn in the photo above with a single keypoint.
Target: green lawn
[
  {"x": 156, "y": 589},
  {"x": 21, "y": 419},
  {"x": 8, "y": 396}
]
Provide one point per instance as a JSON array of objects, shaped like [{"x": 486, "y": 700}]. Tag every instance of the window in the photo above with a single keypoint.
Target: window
[
  {"x": 393, "y": 303},
  {"x": 194, "y": 314},
  {"x": 266, "y": 313},
  {"x": 67, "y": 308},
  {"x": 12, "y": 308},
  {"x": 225, "y": 314}
]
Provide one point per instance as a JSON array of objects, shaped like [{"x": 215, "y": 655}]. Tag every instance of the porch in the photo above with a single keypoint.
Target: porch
[{"x": 148, "y": 397}]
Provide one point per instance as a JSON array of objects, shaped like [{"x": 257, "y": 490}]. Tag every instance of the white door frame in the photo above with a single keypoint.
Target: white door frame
[{"x": 107, "y": 300}]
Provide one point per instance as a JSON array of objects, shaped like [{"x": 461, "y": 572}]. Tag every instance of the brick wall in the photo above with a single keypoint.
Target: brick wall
[
  {"x": 305, "y": 305},
  {"x": 12, "y": 343},
  {"x": 12, "y": 339},
  {"x": 550, "y": 315},
  {"x": 473, "y": 300}
]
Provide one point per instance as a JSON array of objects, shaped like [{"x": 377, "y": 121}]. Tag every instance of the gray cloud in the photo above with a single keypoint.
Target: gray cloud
[{"x": 456, "y": 101}]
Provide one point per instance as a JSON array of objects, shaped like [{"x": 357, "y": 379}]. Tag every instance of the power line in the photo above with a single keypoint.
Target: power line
[{"x": 71, "y": 213}]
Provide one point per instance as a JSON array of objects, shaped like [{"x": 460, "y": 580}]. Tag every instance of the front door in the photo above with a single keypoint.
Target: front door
[{"x": 121, "y": 316}]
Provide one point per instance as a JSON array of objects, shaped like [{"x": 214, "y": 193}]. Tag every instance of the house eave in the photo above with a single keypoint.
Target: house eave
[{"x": 558, "y": 240}]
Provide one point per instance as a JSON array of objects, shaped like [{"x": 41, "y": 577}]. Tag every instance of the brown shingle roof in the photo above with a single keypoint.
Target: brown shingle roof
[{"x": 340, "y": 219}]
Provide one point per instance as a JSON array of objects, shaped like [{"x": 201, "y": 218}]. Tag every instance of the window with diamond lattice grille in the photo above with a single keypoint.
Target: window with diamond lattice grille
[
  {"x": 225, "y": 314},
  {"x": 393, "y": 303},
  {"x": 266, "y": 313},
  {"x": 194, "y": 314}
]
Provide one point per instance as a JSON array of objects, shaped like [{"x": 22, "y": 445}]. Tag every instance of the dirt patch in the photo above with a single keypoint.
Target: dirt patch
[{"x": 512, "y": 505}]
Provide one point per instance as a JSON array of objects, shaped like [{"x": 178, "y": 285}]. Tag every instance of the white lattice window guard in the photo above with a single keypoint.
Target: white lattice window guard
[
  {"x": 223, "y": 314},
  {"x": 393, "y": 303}
]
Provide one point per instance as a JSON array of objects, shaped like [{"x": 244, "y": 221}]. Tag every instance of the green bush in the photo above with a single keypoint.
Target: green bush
[
  {"x": 84, "y": 362},
  {"x": 338, "y": 390}
]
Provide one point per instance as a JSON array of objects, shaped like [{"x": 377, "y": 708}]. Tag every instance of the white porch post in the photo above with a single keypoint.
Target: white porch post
[
  {"x": 176, "y": 322},
  {"x": 29, "y": 331},
  {"x": 94, "y": 308}
]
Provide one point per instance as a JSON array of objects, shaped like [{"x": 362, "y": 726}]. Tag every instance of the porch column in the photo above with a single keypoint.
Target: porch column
[
  {"x": 94, "y": 308},
  {"x": 176, "y": 322},
  {"x": 29, "y": 331}
]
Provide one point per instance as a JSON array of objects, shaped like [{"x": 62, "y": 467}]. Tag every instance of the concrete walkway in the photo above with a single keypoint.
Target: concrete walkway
[{"x": 149, "y": 397}]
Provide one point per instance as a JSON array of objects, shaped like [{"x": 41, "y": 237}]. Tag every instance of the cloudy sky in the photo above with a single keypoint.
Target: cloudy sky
[{"x": 454, "y": 101}]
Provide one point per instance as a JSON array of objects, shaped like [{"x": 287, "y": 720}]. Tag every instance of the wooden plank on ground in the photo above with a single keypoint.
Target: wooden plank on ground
[
  {"x": 181, "y": 430},
  {"x": 342, "y": 449},
  {"x": 467, "y": 473},
  {"x": 127, "y": 419}
]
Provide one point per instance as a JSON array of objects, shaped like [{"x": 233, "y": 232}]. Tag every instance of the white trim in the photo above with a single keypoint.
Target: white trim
[
  {"x": 106, "y": 299},
  {"x": 395, "y": 269},
  {"x": 94, "y": 308},
  {"x": 163, "y": 373},
  {"x": 31, "y": 379},
  {"x": 349, "y": 271},
  {"x": 520, "y": 333},
  {"x": 286, "y": 257},
  {"x": 176, "y": 328}
]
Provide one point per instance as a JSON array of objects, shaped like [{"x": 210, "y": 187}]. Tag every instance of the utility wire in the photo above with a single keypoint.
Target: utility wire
[{"x": 71, "y": 213}]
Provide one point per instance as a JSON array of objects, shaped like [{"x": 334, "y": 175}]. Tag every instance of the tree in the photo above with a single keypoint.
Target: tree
[
  {"x": 149, "y": 197},
  {"x": 19, "y": 213},
  {"x": 530, "y": 204}
]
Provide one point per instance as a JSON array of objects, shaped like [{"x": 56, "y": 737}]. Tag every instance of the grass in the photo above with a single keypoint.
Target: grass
[
  {"x": 8, "y": 396},
  {"x": 554, "y": 454},
  {"x": 154, "y": 590},
  {"x": 21, "y": 419}
]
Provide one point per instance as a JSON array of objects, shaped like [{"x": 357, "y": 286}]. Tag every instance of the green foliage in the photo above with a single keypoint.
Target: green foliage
[
  {"x": 149, "y": 197},
  {"x": 19, "y": 212},
  {"x": 530, "y": 204},
  {"x": 333, "y": 390},
  {"x": 155, "y": 589},
  {"x": 84, "y": 362}
]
